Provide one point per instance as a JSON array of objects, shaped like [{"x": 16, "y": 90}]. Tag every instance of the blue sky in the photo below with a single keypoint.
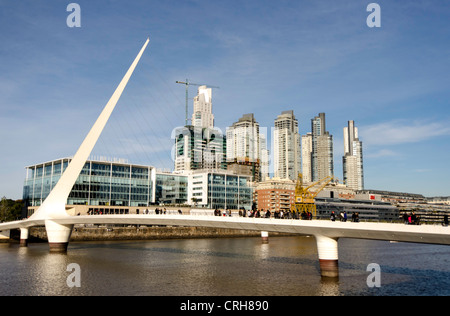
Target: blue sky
[{"x": 266, "y": 57}]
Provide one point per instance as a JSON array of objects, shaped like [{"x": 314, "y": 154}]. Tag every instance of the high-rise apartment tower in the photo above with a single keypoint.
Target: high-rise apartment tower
[
  {"x": 286, "y": 146},
  {"x": 243, "y": 147},
  {"x": 243, "y": 139},
  {"x": 200, "y": 145},
  {"x": 202, "y": 116},
  {"x": 352, "y": 160},
  {"x": 322, "y": 149},
  {"x": 307, "y": 157}
]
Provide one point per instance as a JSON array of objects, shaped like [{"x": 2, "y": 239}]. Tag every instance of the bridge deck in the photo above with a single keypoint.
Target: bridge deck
[{"x": 433, "y": 234}]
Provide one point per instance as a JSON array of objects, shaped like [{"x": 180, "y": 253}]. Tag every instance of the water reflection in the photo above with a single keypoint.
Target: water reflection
[
  {"x": 263, "y": 251},
  {"x": 240, "y": 266},
  {"x": 50, "y": 274}
]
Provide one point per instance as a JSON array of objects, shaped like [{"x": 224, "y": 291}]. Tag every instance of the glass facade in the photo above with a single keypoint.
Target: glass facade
[
  {"x": 221, "y": 191},
  {"x": 119, "y": 186},
  {"x": 229, "y": 192},
  {"x": 41, "y": 179},
  {"x": 99, "y": 183},
  {"x": 171, "y": 189},
  {"x": 199, "y": 148}
]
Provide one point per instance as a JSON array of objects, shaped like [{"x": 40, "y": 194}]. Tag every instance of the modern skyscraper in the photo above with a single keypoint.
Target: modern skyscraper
[
  {"x": 264, "y": 156},
  {"x": 286, "y": 140},
  {"x": 200, "y": 145},
  {"x": 322, "y": 149},
  {"x": 307, "y": 157},
  {"x": 246, "y": 148},
  {"x": 243, "y": 139},
  {"x": 199, "y": 148},
  {"x": 202, "y": 116},
  {"x": 353, "y": 158}
]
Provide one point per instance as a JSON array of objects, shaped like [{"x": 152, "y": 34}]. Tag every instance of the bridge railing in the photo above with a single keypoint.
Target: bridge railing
[{"x": 287, "y": 215}]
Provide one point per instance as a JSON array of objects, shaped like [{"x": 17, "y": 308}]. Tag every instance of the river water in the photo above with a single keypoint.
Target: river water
[{"x": 223, "y": 267}]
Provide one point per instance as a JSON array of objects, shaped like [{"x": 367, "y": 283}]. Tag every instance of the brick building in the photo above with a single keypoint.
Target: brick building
[{"x": 275, "y": 194}]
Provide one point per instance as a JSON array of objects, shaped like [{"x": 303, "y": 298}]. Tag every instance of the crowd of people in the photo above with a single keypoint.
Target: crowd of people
[
  {"x": 279, "y": 214},
  {"x": 411, "y": 219},
  {"x": 408, "y": 218},
  {"x": 342, "y": 216}
]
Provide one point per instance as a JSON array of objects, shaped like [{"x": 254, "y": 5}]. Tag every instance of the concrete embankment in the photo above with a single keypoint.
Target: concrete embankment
[{"x": 103, "y": 233}]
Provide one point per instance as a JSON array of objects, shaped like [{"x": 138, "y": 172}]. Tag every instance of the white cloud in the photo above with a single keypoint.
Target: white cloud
[
  {"x": 402, "y": 131},
  {"x": 382, "y": 153},
  {"x": 422, "y": 170}
]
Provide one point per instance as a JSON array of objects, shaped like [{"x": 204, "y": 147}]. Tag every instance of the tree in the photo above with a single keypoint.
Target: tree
[
  {"x": 10, "y": 210},
  {"x": 195, "y": 200}
]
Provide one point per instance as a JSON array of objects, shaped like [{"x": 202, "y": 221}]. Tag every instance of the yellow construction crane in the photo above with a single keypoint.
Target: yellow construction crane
[
  {"x": 305, "y": 198},
  {"x": 187, "y": 84}
]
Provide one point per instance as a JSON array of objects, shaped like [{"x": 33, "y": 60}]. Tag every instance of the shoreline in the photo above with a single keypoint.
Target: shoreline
[{"x": 103, "y": 233}]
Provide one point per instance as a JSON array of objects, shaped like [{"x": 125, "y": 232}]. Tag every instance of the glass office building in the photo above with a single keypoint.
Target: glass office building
[
  {"x": 220, "y": 190},
  {"x": 118, "y": 187},
  {"x": 100, "y": 183},
  {"x": 171, "y": 189}
]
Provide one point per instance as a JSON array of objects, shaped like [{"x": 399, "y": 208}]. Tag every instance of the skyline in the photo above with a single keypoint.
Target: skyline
[{"x": 266, "y": 58}]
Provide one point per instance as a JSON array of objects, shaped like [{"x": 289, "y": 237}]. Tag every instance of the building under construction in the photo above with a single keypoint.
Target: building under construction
[{"x": 246, "y": 166}]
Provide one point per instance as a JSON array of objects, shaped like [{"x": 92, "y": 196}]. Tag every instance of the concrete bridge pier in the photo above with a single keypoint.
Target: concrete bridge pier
[
  {"x": 24, "y": 232},
  {"x": 58, "y": 236},
  {"x": 327, "y": 248}
]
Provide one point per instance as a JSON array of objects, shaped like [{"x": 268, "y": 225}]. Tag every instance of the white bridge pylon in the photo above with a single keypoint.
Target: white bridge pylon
[{"x": 54, "y": 205}]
